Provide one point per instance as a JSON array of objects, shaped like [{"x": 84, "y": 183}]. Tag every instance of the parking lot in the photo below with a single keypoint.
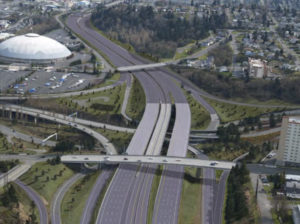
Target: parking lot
[
  {"x": 41, "y": 82},
  {"x": 8, "y": 78}
]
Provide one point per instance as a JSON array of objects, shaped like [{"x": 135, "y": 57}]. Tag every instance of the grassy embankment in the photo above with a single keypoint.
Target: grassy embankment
[
  {"x": 46, "y": 179},
  {"x": 153, "y": 192},
  {"x": 191, "y": 197},
  {"x": 110, "y": 101},
  {"x": 100, "y": 199},
  {"x": 231, "y": 112},
  {"x": 108, "y": 81},
  {"x": 19, "y": 212},
  {"x": 74, "y": 200},
  {"x": 136, "y": 101},
  {"x": 119, "y": 139},
  {"x": 200, "y": 116}
]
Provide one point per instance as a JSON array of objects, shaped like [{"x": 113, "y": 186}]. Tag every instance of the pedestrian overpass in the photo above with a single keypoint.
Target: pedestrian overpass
[{"x": 162, "y": 160}]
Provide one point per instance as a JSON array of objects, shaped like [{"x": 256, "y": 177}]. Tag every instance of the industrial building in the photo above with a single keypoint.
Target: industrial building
[
  {"x": 289, "y": 143},
  {"x": 32, "y": 48}
]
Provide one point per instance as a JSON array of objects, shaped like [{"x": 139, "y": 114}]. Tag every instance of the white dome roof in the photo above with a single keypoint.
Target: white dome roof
[{"x": 32, "y": 46}]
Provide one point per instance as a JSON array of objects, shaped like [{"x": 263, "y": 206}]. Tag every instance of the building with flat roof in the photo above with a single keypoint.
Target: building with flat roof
[
  {"x": 257, "y": 68},
  {"x": 289, "y": 143}
]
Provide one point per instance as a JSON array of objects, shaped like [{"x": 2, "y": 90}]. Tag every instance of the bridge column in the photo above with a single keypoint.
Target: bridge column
[
  {"x": 198, "y": 172},
  {"x": 35, "y": 120},
  {"x": 10, "y": 114}
]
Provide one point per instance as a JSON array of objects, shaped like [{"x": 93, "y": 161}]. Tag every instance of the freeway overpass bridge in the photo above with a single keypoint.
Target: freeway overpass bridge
[
  {"x": 134, "y": 159},
  {"x": 141, "y": 67}
]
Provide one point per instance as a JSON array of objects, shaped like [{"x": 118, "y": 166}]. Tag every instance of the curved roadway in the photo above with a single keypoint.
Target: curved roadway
[
  {"x": 120, "y": 57},
  {"x": 37, "y": 201},
  {"x": 58, "y": 197},
  {"x": 62, "y": 119}
]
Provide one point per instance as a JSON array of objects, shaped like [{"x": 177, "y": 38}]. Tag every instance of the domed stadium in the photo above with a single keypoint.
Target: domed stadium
[{"x": 32, "y": 48}]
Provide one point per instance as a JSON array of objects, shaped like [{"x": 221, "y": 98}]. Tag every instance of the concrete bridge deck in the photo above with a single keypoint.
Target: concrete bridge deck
[{"x": 131, "y": 159}]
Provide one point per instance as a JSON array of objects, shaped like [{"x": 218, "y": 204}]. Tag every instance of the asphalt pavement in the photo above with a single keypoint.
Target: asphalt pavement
[
  {"x": 28, "y": 138},
  {"x": 37, "y": 201},
  {"x": 58, "y": 197},
  {"x": 94, "y": 195}
]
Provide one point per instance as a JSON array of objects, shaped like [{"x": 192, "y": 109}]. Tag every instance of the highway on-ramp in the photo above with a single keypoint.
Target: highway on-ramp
[
  {"x": 121, "y": 57},
  {"x": 58, "y": 197},
  {"x": 37, "y": 201}
]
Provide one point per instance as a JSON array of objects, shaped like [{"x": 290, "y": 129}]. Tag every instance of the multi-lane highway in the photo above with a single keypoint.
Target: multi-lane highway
[{"x": 149, "y": 81}]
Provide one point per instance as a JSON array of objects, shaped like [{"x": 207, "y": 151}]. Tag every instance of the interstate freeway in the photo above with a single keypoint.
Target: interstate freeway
[{"x": 158, "y": 87}]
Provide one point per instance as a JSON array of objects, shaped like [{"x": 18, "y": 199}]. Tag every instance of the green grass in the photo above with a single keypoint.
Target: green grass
[
  {"x": 108, "y": 81},
  {"x": 45, "y": 188},
  {"x": 100, "y": 199},
  {"x": 276, "y": 217},
  {"x": 136, "y": 101},
  {"x": 153, "y": 192},
  {"x": 25, "y": 201},
  {"x": 185, "y": 52},
  {"x": 224, "y": 204},
  {"x": 191, "y": 198},
  {"x": 119, "y": 139},
  {"x": 218, "y": 174},
  {"x": 114, "y": 98},
  {"x": 274, "y": 102},
  {"x": 231, "y": 112},
  {"x": 225, "y": 153},
  {"x": 71, "y": 211},
  {"x": 200, "y": 116}
]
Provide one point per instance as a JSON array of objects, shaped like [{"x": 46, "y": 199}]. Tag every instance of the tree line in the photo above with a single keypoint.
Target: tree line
[
  {"x": 236, "y": 202},
  {"x": 261, "y": 89},
  {"x": 157, "y": 33}
]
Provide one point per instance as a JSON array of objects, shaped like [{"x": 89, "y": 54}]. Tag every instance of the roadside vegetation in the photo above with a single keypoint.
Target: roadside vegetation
[
  {"x": 232, "y": 112},
  {"x": 43, "y": 130},
  {"x": 119, "y": 139},
  {"x": 7, "y": 165},
  {"x": 283, "y": 91},
  {"x": 46, "y": 178},
  {"x": 137, "y": 101},
  {"x": 222, "y": 55},
  {"x": 200, "y": 116},
  {"x": 75, "y": 199},
  {"x": 41, "y": 24},
  {"x": 230, "y": 146},
  {"x": 16, "y": 206},
  {"x": 110, "y": 79},
  {"x": 104, "y": 102},
  {"x": 191, "y": 197},
  {"x": 156, "y": 34},
  {"x": 100, "y": 198},
  {"x": 240, "y": 202},
  {"x": 153, "y": 193},
  {"x": 281, "y": 210},
  {"x": 104, "y": 106},
  {"x": 15, "y": 146}
]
